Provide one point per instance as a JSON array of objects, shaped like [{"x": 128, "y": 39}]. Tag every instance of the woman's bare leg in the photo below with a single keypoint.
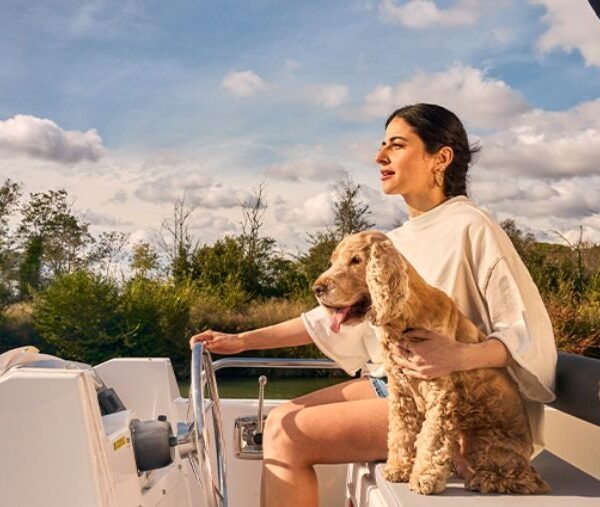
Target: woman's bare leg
[{"x": 339, "y": 424}]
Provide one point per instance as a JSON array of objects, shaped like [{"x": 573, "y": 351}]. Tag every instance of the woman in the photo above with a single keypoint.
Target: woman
[{"x": 456, "y": 247}]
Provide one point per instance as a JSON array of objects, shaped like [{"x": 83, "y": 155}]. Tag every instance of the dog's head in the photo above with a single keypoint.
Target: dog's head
[{"x": 367, "y": 276}]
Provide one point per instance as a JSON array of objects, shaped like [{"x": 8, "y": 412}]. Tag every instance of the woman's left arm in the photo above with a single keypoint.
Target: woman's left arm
[{"x": 435, "y": 355}]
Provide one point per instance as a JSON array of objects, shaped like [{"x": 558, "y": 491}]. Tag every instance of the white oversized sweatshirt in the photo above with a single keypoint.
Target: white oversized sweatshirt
[{"x": 461, "y": 250}]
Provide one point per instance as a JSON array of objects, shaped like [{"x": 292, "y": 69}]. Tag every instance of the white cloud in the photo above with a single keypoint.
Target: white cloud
[
  {"x": 426, "y": 13},
  {"x": 316, "y": 211},
  {"x": 44, "y": 139},
  {"x": 479, "y": 100},
  {"x": 307, "y": 168},
  {"x": 330, "y": 95},
  {"x": 102, "y": 219},
  {"x": 387, "y": 211},
  {"x": 199, "y": 191},
  {"x": 572, "y": 199},
  {"x": 244, "y": 83},
  {"x": 142, "y": 235},
  {"x": 218, "y": 225},
  {"x": 548, "y": 144},
  {"x": 572, "y": 25},
  {"x": 120, "y": 196}
]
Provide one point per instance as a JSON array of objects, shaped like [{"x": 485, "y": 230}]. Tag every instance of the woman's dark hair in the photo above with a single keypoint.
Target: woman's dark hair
[{"x": 437, "y": 127}]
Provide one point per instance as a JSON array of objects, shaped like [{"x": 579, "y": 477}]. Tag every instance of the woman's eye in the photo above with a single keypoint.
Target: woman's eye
[
  {"x": 397, "y": 146},
  {"x": 355, "y": 260}
]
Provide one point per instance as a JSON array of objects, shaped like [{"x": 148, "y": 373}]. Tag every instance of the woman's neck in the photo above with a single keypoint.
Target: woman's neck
[{"x": 417, "y": 205}]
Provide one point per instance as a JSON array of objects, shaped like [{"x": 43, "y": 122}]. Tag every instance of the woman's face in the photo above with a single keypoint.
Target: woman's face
[{"x": 405, "y": 166}]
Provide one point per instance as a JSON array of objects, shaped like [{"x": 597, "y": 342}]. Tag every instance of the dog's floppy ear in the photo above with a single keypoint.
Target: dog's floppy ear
[{"x": 387, "y": 280}]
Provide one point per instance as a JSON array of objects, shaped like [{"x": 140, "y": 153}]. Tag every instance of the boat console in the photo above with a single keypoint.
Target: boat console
[{"x": 117, "y": 434}]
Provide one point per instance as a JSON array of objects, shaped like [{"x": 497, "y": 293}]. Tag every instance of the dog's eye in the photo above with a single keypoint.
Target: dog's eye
[{"x": 355, "y": 260}]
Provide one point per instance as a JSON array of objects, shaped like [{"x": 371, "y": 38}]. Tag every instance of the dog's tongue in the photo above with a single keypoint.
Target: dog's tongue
[{"x": 337, "y": 318}]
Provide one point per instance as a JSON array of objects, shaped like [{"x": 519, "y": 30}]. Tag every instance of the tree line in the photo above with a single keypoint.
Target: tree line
[
  {"x": 62, "y": 288},
  {"x": 65, "y": 290}
]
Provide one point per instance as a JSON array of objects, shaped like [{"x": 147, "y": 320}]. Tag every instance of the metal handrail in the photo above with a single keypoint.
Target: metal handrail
[{"x": 265, "y": 362}]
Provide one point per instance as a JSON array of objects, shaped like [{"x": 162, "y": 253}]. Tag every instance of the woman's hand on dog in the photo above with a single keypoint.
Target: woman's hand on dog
[
  {"x": 427, "y": 354},
  {"x": 217, "y": 342}
]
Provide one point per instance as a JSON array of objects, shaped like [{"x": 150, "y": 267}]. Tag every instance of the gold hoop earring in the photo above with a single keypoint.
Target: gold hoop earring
[{"x": 439, "y": 178}]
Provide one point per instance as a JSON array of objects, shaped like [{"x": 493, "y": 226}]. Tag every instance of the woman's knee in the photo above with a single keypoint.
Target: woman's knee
[{"x": 279, "y": 430}]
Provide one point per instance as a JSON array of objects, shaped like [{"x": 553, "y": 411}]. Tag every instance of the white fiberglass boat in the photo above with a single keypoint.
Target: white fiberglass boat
[{"x": 120, "y": 434}]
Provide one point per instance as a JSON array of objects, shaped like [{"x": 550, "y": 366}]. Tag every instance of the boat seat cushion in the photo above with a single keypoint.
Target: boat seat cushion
[{"x": 570, "y": 486}]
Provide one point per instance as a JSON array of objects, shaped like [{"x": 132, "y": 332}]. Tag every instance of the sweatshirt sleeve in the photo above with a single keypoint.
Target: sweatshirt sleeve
[
  {"x": 520, "y": 320},
  {"x": 347, "y": 347}
]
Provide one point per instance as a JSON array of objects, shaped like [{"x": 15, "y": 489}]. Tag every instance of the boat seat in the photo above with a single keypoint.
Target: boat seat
[
  {"x": 577, "y": 384},
  {"x": 570, "y": 486}
]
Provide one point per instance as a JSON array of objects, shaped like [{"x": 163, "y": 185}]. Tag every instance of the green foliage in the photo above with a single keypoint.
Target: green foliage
[
  {"x": 316, "y": 259},
  {"x": 10, "y": 193},
  {"x": 238, "y": 283},
  {"x": 351, "y": 214},
  {"x": 156, "y": 319},
  {"x": 288, "y": 280},
  {"x": 219, "y": 270},
  {"x": 79, "y": 315},
  {"x": 30, "y": 270},
  {"x": 17, "y": 328},
  {"x": 568, "y": 278},
  {"x": 176, "y": 242},
  {"x": 144, "y": 260},
  {"x": 9, "y": 198},
  {"x": 209, "y": 312},
  {"x": 64, "y": 238},
  {"x": 107, "y": 252},
  {"x": 181, "y": 267}
]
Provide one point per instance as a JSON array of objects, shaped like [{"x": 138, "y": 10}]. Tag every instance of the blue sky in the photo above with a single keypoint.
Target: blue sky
[{"x": 129, "y": 104}]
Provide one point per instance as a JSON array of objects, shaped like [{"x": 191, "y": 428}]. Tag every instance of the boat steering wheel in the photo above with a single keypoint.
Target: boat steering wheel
[{"x": 203, "y": 374}]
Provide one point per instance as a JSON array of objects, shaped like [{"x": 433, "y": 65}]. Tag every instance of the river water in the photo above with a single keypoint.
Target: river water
[{"x": 277, "y": 389}]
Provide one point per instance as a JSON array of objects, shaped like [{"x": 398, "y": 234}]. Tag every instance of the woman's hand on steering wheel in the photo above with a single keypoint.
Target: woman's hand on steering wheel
[{"x": 219, "y": 343}]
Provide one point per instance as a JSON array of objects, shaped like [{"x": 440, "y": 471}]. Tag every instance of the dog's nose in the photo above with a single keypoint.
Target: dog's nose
[{"x": 319, "y": 288}]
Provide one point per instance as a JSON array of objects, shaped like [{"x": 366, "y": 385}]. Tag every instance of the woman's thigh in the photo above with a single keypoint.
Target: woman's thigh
[
  {"x": 356, "y": 389},
  {"x": 340, "y": 432},
  {"x": 339, "y": 424}
]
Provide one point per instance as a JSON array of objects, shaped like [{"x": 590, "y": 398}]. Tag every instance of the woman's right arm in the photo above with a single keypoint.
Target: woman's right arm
[{"x": 289, "y": 333}]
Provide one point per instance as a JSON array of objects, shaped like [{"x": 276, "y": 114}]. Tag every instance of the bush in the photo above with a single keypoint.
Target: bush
[
  {"x": 576, "y": 321},
  {"x": 79, "y": 316},
  {"x": 17, "y": 328},
  {"x": 209, "y": 312},
  {"x": 156, "y": 319}
]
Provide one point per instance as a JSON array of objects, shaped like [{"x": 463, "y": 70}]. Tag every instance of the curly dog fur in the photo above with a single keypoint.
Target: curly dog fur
[{"x": 473, "y": 417}]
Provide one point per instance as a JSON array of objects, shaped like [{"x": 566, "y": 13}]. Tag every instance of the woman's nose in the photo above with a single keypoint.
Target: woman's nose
[{"x": 381, "y": 157}]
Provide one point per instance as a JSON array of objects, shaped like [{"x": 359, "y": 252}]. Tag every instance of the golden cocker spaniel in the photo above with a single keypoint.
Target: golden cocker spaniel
[{"x": 475, "y": 418}]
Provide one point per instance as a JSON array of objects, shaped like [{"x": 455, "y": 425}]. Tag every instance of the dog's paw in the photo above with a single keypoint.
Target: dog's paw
[
  {"x": 426, "y": 484},
  {"x": 395, "y": 474},
  {"x": 484, "y": 483}
]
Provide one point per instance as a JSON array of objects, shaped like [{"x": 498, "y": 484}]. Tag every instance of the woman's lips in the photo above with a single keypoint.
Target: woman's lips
[{"x": 385, "y": 175}]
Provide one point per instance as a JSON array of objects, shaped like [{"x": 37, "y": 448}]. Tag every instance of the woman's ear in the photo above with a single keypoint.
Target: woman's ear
[
  {"x": 387, "y": 280},
  {"x": 444, "y": 158}
]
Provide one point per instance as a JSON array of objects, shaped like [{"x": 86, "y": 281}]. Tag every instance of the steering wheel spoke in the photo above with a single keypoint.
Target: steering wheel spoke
[{"x": 203, "y": 375}]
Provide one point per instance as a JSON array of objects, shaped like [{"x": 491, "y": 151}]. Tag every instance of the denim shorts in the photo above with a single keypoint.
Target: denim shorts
[{"x": 379, "y": 386}]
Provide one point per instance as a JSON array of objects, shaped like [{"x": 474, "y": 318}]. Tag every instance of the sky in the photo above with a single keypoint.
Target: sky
[{"x": 131, "y": 105}]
